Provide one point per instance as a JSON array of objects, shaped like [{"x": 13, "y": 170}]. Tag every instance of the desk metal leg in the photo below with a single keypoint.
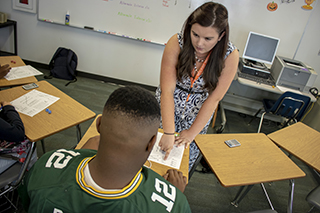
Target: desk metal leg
[
  {"x": 196, "y": 163},
  {"x": 267, "y": 196},
  {"x": 42, "y": 144},
  {"x": 236, "y": 202},
  {"x": 78, "y": 132},
  {"x": 290, "y": 204},
  {"x": 223, "y": 119}
]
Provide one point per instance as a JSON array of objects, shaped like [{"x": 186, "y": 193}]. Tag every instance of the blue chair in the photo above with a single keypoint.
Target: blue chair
[{"x": 290, "y": 105}]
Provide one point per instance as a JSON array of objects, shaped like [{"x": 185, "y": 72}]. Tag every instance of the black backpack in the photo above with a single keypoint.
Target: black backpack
[{"x": 63, "y": 65}]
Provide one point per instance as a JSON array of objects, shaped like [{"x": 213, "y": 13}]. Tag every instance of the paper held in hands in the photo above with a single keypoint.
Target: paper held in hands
[{"x": 174, "y": 159}]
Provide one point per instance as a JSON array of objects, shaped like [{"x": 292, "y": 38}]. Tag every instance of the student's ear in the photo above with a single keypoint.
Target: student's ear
[
  {"x": 151, "y": 143},
  {"x": 98, "y": 123}
]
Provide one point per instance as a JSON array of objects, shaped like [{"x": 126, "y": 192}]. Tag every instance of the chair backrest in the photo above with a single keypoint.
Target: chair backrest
[
  {"x": 12, "y": 177},
  {"x": 291, "y": 105}
]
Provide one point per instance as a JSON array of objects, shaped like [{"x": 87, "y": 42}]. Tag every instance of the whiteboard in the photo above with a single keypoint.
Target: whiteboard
[
  {"x": 157, "y": 20},
  {"x": 150, "y": 20}
]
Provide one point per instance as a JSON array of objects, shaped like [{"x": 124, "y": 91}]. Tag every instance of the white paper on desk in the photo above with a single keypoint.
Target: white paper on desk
[
  {"x": 22, "y": 72},
  {"x": 33, "y": 102},
  {"x": 174, "y": 158},
  {"x": 285, "y": 89}
]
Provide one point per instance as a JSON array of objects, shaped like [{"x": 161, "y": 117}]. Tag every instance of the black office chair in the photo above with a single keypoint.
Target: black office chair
[
  {"x": 314, "y": 198},
  {"x": 291, "y": 106},
  {"x": 12, "y": 177}
]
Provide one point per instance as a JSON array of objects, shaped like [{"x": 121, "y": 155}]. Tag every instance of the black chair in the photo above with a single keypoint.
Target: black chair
[
  {"x": 12, "y": 177},
  {"x": 314, "y": 198},
  {"x": 291, "y": 106}
]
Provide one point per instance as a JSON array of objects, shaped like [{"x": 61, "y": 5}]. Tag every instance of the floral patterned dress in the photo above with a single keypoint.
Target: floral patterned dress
[{"x": 186, "y": 111}]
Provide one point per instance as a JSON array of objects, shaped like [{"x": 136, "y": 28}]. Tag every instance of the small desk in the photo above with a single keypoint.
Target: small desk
[
  {"x": 301, "y": 141},
  {"x": 14, "y": 25},
  {"x": 66, "y": 112},
  {"x": 257, "y": 160},
  {"x": 159, "y": 168},
  {"x": 7, "y": 60}
]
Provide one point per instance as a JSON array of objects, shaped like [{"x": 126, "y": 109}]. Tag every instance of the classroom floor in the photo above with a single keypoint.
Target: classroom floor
[{"x": 204, "y": 192}]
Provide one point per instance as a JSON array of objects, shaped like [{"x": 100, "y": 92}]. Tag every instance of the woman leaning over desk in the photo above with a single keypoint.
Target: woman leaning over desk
[{"x": 197, "y": 69}]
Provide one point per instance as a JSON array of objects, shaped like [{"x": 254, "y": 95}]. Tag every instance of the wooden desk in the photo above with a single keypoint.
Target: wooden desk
[
  {"x": 301, "y": 141},
  {"x": 66, "y": 112},
  {"x": 7, "y": 60},
  {"x": 159, "y": 168},
  {"x": 257, "y": 160}
]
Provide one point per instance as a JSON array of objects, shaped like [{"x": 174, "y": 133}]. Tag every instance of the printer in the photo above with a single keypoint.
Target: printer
[{"x": 292, "y": 74}]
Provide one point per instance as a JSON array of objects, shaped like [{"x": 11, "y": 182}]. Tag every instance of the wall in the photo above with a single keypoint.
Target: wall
[
  {"x": 139, "y": 62},
  {"x": 308, "y": 50}
]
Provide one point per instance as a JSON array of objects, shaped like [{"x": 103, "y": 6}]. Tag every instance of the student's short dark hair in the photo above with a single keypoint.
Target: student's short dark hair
[{"x": 134, "y": 102}]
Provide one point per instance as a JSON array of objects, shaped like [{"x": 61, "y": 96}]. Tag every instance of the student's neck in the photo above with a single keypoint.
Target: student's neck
[{"x": 110, "y": 173}]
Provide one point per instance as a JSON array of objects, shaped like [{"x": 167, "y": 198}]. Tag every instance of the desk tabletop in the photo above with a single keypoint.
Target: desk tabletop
[
  {"x": 272, "y": 89},
  {"x": 18, "y": 62},
  {"x": 257, "y": 160},
  {"x": 159, "y": 168},
  {"x": 301, "y": 141},
  {"x": 66, "y": 112}
]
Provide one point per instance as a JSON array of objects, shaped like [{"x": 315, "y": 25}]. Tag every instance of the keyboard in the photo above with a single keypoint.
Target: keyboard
[{"x": 268, "y": 81}]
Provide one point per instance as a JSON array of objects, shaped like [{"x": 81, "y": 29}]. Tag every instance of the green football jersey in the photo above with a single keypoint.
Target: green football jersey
[{"x": 56, "y": 184}]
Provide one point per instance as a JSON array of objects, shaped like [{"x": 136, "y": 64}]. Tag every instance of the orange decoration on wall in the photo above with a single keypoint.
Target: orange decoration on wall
[
  {"x": 272, "y": 6},
  {"x": 308, "y": 6}
]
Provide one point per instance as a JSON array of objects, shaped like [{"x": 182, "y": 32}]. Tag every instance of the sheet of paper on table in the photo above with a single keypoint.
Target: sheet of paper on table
[
  {"x": 22, "y": 72},
  {"x": 175, "y": 156},
  {"x": 33, "y": 102}
]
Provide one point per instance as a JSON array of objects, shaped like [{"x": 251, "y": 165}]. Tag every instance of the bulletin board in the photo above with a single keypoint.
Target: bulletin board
[{"x": 157, "y": 20}]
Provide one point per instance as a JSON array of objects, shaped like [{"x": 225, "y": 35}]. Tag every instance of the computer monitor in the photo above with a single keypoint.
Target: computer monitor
[{"x": 260, "y": 48}]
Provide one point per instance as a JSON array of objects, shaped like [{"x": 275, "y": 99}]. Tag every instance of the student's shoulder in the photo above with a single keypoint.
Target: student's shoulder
[
  {"x": 163, "y": 192},
  {"x": 66, "y": 154},
  {"x": 153, "y": 178}
]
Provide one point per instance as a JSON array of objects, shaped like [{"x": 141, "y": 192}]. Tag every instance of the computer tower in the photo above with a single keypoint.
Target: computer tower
[{"x": 253, "y": 69}]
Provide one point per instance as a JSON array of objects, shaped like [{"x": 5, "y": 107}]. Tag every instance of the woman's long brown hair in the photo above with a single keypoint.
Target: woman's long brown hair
[{"x": 208, "y": 15}]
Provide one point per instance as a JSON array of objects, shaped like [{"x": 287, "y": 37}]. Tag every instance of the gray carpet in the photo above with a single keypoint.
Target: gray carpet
[{"x": 204, "y": 192}]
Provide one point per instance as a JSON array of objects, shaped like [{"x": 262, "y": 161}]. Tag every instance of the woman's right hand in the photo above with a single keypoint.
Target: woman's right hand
[{"x": 166, "y": 144}]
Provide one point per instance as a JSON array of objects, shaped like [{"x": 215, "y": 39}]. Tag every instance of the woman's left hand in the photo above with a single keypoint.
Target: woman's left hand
[{"x": 184, "y": 138}]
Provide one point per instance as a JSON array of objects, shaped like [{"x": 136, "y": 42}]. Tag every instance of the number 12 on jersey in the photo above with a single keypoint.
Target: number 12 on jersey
[{"x": 156, "y": 197}]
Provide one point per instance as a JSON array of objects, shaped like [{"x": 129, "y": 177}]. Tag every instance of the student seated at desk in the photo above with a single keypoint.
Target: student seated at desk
[
  {"x": 11, "y": 126},
  {"x": 4, "y": 70},
  {"x": 113, "y": 178}
]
